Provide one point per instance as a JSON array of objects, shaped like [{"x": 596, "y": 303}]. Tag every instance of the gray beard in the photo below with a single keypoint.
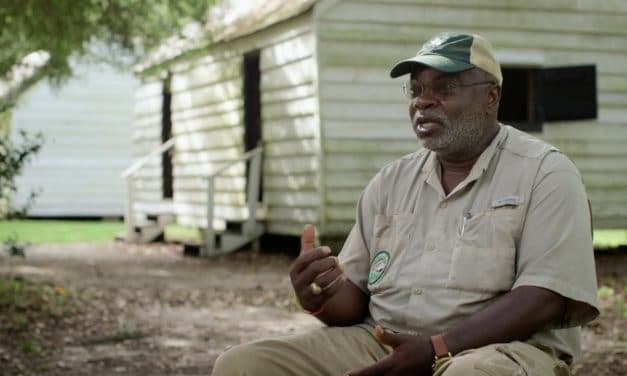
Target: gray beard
[{"x": 461, "y": 137}]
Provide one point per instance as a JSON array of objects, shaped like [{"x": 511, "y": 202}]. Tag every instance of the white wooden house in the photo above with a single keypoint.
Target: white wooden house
[
  {"x": 86, "y": 125},
  {"x": 309, "y": 82}
]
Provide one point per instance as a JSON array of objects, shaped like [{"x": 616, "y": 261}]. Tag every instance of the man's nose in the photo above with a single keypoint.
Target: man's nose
[{"x": 424, "y": 100}]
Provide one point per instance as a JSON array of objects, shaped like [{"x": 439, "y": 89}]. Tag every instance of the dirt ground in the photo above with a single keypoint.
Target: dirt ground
[{"x": 149, "y": 310}]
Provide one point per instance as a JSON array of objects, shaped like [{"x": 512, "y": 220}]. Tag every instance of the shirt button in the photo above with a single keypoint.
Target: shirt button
[
  {"x": 443, "y": 205},
  {"x": 416, "y": 291}
]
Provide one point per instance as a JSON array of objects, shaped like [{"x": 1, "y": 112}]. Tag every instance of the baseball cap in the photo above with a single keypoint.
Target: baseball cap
[{"x": 452, "y": 53}]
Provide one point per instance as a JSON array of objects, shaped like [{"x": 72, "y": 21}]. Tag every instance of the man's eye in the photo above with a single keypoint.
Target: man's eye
[{"x": 443, "y": 88}]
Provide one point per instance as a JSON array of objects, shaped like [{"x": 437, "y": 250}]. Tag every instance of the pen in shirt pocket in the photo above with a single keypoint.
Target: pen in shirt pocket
[{"x": 465, "y": 218}]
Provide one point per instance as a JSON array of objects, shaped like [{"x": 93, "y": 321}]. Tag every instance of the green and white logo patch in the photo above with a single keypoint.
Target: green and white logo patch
[{"x": 378, "y": 266}]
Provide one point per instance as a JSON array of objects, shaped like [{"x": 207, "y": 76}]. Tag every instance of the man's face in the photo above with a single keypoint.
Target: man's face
[{"x": 449, "y": 119}]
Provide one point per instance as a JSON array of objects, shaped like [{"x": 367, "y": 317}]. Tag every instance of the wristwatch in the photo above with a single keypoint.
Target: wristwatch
[{"x": 442, "y": 354}]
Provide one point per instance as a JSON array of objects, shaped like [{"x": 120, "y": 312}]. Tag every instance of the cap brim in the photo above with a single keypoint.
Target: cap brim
[{"x": 437, "y": 62}]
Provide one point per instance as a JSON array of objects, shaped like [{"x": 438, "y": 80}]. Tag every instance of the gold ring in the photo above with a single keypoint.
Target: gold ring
[{"x": 315, "y": 288}]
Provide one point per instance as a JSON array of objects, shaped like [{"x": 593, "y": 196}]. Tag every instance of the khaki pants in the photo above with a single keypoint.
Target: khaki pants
[{"x": 335, "y": 350}]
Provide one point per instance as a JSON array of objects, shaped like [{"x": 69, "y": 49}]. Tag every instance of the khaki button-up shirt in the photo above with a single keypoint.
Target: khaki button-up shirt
[{"x": 429, "y": 260}]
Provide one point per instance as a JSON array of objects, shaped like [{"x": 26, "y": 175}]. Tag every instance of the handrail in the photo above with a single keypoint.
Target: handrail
[
  {"x": 254, "y": 176},
  {"x": 129, "y": 212},
  {"x": 143, "y": 160},
  {"x": 244, "y": 157}
]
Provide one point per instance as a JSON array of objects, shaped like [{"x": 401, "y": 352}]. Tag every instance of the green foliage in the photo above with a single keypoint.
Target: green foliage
[
  {"x": 67, "y": 28},
  {"x": 13, "y": 158},
  {"x": 13, "y": 247},
  {"x": 22, "y": 302}
]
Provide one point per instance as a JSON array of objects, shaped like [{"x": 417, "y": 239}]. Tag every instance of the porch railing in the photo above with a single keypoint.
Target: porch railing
[
  {"x": 254, "y": 181},
  {"x": 128, "y": 175}
]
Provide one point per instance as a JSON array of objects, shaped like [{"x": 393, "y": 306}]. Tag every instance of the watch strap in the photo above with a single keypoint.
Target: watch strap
[
  {"x": 442, "y": 353},
  {"x": 439, "y": 346}
]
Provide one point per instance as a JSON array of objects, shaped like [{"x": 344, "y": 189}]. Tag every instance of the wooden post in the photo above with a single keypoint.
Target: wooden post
[
  {"x": 254, "y": 179},
  {"x": 210, "y": 238},
  {"x": 129, "y": 215}
]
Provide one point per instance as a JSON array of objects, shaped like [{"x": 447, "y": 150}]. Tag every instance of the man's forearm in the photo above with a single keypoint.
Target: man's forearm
[
  {"x": 516, "y": 315},
  {"x": 349, "y": 306}
]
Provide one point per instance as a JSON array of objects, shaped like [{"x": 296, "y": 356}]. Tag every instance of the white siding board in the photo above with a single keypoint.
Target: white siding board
[
  {"x": 292, "y": 165},
  {"x": 221, "y": 183},
  {"x": 206, "y": 75},
  {"x": 521, "y": 19},
  {"x": 208, "y": 123},
  {"x": 287, "y": 51},
  {"x": 289, "y": 109},
  {"x": 610, "y": 6},
  {"x": 214, "y": 156},
  {"x": 86, "y": 124},
  {"x": 224, "y": 137},
  {"x": 214, "y": 93},
  {"x": 301, "y": 215},
  {"x": 294, "y": 128},
  {"x": 290, "y": 182},
  {"x": 284, "y": 94},
  {"x": 290, "y": 148},
  {"x": 213, "y": 110},
  {"x": 294, "y": 74}
]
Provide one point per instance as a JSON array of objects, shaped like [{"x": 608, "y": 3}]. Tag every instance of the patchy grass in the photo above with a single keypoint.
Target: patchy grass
[
  {"x": 31, "y": 313},
  {"x": 59, "y": 231}
]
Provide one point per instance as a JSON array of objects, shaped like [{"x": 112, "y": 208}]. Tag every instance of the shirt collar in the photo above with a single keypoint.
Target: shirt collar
[{"x": 432, "y": 165}]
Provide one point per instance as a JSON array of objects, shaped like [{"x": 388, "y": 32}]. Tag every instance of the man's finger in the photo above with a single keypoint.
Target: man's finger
[
  {"x": 390, "y": 339},
  {"x": 307, "y": 258},
  {"x": 308, "y": 238},
  {"x": 379, "y": 368}
]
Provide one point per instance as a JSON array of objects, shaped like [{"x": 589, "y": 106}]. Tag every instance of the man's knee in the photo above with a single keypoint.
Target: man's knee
[
  {"x": 513, "y": 359},
  {"x": 463, "y": 365},
  {"x": 241, "y": 360}
]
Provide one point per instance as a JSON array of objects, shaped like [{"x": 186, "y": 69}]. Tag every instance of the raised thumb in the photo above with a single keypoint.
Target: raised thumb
[{"x": 308, "y": 239}]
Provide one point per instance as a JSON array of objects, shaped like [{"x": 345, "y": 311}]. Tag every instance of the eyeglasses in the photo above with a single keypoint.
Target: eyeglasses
[{"x": 440, "y": 90}]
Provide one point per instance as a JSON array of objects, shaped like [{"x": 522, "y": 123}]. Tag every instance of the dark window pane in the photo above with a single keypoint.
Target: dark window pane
[
  {"x": 519, "y": 99},
  {"x": 569, "y": 93}
]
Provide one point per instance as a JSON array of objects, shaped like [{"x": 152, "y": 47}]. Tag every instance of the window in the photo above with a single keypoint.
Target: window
[{"x": 532, "y": 96}]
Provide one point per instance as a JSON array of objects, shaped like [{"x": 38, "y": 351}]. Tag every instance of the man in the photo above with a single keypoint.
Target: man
[{"x": 472, "y": 256}]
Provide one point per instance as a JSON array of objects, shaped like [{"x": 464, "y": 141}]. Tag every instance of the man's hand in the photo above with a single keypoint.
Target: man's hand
[
  {"x": 412, "y": 355},
  {"x": 314, "y": 265}
]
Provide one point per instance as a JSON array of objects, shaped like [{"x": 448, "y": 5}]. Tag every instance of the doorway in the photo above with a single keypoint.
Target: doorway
[
  {"x": 167, "y": 179},
  {"x": 252, "y": 107}
]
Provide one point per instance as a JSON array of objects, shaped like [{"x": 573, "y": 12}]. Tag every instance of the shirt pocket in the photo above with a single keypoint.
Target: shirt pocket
[
  {"x": 484, "y": 255},
  {"x": 390, "y": 235}
]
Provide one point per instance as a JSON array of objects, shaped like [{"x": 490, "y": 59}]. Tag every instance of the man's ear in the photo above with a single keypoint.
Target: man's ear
[{"x": 494, "y": 97}]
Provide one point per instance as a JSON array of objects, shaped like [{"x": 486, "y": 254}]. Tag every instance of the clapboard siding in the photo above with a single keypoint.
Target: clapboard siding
[
  {"x": 362, "y": 109},
  {"x": 207, "y": 117},
  {"x": 146, "y": 135},
  {"x": 86, "y": 124},
  {"x": 289, "y": 107},
  {"x": 466, "y": 16},
  {"x": 332, "y": 117}
]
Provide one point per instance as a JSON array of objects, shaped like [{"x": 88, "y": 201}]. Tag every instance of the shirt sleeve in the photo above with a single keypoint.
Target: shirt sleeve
[
  {"x": 555, "y": 249},
  {"x": 355, "y": 254}
]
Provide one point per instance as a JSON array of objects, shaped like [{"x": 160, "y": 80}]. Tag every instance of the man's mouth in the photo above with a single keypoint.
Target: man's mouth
[{"x": 426, "y": 125}]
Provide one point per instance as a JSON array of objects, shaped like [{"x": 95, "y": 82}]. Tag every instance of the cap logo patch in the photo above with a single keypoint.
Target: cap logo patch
[{"x": 435, "y": 42}]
